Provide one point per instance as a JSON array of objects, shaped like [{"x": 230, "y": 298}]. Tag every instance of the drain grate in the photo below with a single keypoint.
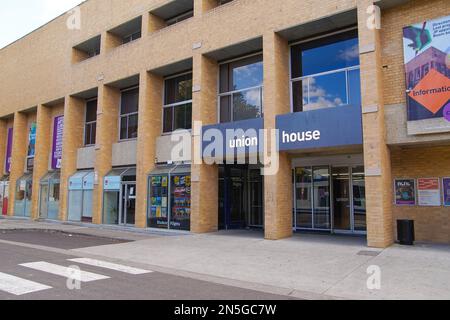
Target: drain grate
[{"x": 369, "y": 253}]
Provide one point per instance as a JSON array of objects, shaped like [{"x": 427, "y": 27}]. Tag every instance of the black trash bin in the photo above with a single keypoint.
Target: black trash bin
[{"x": 405, "y": 232}]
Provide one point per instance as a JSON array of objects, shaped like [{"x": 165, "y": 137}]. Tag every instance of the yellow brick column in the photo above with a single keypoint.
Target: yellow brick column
[
  {"x": 376, "y": 153},
  {"x": 3, "y": 138},
  {"x": 201, "y": 6},
  {"x": 150, "y": 113},
  {"x": 41, "y": 158},
  {"x": 74, "y": 112},
  {"x": 19, "y": 153},
  {"x": 278, "y": 187},
  {"x": 107, "y": 133},
  {"x": 205, "y": 178}
]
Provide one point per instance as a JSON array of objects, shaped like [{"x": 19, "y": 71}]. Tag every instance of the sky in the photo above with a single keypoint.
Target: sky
[{"x": 20, "y": 17}]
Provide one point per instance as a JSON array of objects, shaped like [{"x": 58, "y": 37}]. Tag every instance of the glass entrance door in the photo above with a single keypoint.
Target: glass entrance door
[
  {"x": 128, "y": 207},
  {"x": 341, "y": 199},
  {"x": 43, "y": 202},
  {"x": 256, "y": 195}
]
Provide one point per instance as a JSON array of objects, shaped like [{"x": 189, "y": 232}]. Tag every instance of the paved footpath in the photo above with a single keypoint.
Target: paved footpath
[{"x": 305, "y": 266}]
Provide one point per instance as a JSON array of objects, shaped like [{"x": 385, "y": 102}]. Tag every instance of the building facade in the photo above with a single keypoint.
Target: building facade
[{"x": 109, "y": 114}]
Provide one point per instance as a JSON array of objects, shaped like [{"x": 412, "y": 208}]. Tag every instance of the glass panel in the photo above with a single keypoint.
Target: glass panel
[
  {"x": 75, "y": 205},
  {"x": 43, "y": 206},
  {"x": 179, "y": 117},
  {"x": 158, "y": 213},
  {"x": 181, "y": 202},
  {"x": 29, "y": 194},
  {"x": 111, "y": 208},
  {"x": 225, "y": 109},
  {"x": 341, "y": 194},
  {"x": 303, "y": 197},
  {"x": 167, "y": 122},
  {"x": 300, "y": 94},
  {"x": 129, "y": 101},
  {"x": 53, "y": 201},
  {"x": 178, "y": 89},
  {"x": 247, "y": 76},
  {"x": 133, "y": 126},
  {"x": 93, "y": 133},
  {"x": 123, "y": 128},
  {"x": 128, "y": 204},
  {"x": 19, "y": 204},
  {"x": 256, "y": 189},
  {"x": 327, "y": 91},
  {"x": 87, "y": 204},
  {"x": 247, "y": 105},
  {"x": 354, "y": 88},
  {"x": 91, "y": 111},
  {"x": 359, "y": 199},
  {"x": 321, "y": 195},
  {"x": 237, "y": 200}
]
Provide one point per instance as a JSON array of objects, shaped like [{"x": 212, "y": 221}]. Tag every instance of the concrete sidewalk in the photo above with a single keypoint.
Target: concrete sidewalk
[{"x": 306, "y": 266}]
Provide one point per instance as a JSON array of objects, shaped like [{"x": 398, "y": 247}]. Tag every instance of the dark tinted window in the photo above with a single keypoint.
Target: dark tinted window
[
  {"x": 178, "y": 89},
  {"x": 91, "y": 111},
  {"x": 129, "y": 101},
  {"x": 241, "y": 74}
]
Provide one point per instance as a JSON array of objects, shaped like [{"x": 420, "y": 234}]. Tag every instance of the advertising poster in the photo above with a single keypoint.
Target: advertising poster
[
  {"x": 9, "y": 146},
  {"x": 58, "y": 131},
  {"x": 426, "y": 48},
  {"x": 405, "y": 192},
  {"x": 429, "y": 192},
  {"x": 32, "y": 141},
  {"x": 446, "y": 191}
]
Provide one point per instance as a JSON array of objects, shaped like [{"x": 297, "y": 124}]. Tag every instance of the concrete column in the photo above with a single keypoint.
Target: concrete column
[
  {"x": 74, "y": 112},
  {"x": 107, "y": 135},
  {"x": 376, "y": 152},
  {"x": 150, "y": 114},
  {"x": 205, "y": 178},
  {"x": 109, "y": 42},
  {"x": 277, "y": 187},
  {"x": 201, "y": 6},
  {"x": 3, "y": 138},
  {"x": 41, "y": 158},
  {"x": 19, "y": 153}
]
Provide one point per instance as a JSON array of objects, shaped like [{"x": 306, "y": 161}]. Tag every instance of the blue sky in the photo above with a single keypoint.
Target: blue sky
[{"x": 20, "y": 17}]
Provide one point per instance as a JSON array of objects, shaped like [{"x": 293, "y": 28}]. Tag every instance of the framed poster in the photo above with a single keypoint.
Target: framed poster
[
  {"x": 446, "y": 191},
  {"x": 429, "y": 192},
  {"x": 405, "y": 192},
  {"x": 427, "y": 67}
]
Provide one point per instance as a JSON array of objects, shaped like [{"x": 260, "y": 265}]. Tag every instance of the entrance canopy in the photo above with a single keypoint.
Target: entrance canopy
[
  {"x": 27, "y": 177},
  {"x": 51, "y": 178},
  {"x": 82, "y": 180},
  {"x": 170, "y": 170},
  {"x": 115, "y": 177},
  {"x": 5, "y": 178}
]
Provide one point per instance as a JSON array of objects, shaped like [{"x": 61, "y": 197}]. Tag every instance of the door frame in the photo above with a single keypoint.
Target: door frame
[{"x": 122, "y": 221}]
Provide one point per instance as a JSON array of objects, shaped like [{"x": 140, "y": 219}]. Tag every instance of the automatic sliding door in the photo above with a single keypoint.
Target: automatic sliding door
[
  {"x": 342, "y": 199},
  {"x": 359, "y": 199},
  {"x": 303, "y": 205},
  {"x": 321, "y": 196}
]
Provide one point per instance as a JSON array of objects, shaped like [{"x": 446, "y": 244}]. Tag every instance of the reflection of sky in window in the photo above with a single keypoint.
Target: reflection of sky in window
[
  {"x": 248, "y": 76},
  {"x": 327, "y": 91},
  {"x": 329, "y": 57}
]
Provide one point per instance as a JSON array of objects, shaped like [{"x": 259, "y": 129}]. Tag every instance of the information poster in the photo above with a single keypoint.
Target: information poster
[
  {"x": 427, "y": 66},
  {"x": 429, "y": 192},
  {"x": 446, "y": 191},
  {"x": 405, "y": 192},
  {"x": 58, "y": 131}
]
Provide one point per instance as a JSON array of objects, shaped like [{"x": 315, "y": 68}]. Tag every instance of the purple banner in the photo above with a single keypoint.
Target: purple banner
[
  {"x": 58, "y": 131},
  {"x": 9, "y": 145},
  {"x": 446, "y": 190}
]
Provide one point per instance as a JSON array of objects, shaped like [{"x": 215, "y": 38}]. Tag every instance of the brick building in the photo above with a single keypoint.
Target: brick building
[{"x": 107, "y": 84}]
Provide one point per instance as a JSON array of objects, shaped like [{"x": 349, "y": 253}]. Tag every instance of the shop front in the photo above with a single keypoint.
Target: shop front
[
  {"x": 81, "y": 189},
  {"x": 119, "y": 197},
  {"x": 22, "y": 201},
  {"x": 4, "y": 195},
  {"x": 169, "y": 202},
  {"x": 49, "y": 196}
]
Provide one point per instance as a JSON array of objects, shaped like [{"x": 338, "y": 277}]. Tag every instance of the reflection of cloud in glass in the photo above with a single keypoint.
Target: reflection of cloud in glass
[
  {"x": 350, "y": 53},
  {"x": 248, "y": 76},
  {"x": 322, "y": 97}
]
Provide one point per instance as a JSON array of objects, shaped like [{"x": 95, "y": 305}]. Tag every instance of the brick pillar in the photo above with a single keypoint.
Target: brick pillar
[
  {"x": 277, "y": 187},
  {"x": 376, "y": 152},
  {"x": 41, "y": 158},
  {"x": 150, "y": 113},
  {"x": 74, "y": 112},
  {"x": 201, "y": 6},
  {"x": 205, "y": 178},
  {"x": 19, "y": 153},
  {"x": 107, "y": 135},
  {"x": 3, "y": 138}
]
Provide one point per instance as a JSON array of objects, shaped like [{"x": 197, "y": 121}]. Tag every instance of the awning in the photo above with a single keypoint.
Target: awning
[
  {"x": 5, "y": 178},
  {"x": 82, "y": 180},
  {"x": 51, "y": 177},
  {"x": 113, "y": 180},
  {"x": 170, "y": 170}
]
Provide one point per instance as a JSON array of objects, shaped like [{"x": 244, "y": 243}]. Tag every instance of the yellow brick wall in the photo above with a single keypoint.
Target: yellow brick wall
[{"x": 432, "y": 223}]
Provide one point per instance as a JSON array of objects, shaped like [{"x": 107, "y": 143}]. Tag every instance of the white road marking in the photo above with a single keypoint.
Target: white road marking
[
  {"x": 18, "y": 286},
  {"x": 111, "y": 266},
  {"x": 63, "y": 271}
]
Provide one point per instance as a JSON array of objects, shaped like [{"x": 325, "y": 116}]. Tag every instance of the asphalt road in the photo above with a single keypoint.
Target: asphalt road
[{"x": 47, "y": 272}]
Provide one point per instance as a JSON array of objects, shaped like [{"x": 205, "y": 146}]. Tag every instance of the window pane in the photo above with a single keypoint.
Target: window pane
[
  {"x": 132, "y": 126},
  {"x": 354, "y": 88},
  {"x": 247, "y": 105},
  {"x": 300, "y": 94},
  {"x": 248, "y": 76},
  {"x": 322, "y": 210},
  {"x": 327, "y": 91},
  {"x": 130, "y": 101},
  {"x": 87, "y": 135},
  {"x": 303, "y": 197},
  {"x": 178, "y": 89},
  {"x": 179, "y": 117},
  {"x": 94, "y": 133},
  {"x": 225, "y": 109},
  {"x": 359, "y": 198},
  {"x": 167, "y": 121},
  {"x": 91, "y": 111},
  {"x": 188, "y": 124},
  {"x": 123, "y": 128}
]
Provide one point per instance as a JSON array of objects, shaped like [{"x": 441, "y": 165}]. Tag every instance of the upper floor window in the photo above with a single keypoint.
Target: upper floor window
[
  {"x": 177, "y": 111},
  {"x": 179, "y": 18},
  {"x": 86, "y": 50},
  {"x": 325, "y": 72},
  {"x": 221, "y": 2},
  {"x": 131, "y": 37},
  {"x": 241, "y": 89},
  {"x": 129, "y": 109},
  {"x": 90, "y": 127}
]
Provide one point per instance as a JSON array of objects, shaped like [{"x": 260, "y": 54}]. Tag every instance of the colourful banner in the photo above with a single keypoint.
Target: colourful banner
[
  {"x": 32, "y": 141},
  {"x": 405, "y": 192},
  {"x": 58, "y": 132},
  {"x": 426, "y": 48},
  {"x": 446, "y": 191},
  {"x": 9, "y": 146},
  {"x": 429, "y": 192}
]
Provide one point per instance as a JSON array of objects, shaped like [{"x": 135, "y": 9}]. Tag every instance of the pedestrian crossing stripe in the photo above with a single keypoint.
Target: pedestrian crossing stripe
[
  {"x": 110, "y": 266},
  {"x": 18, "y": 286}
]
